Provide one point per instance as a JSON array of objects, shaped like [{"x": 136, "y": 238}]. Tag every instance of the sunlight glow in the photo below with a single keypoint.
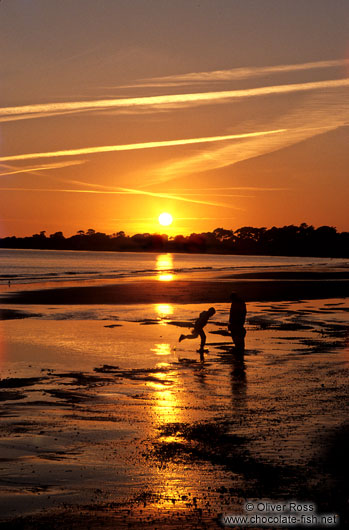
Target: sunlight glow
[
  {"x": 164, "y": 266},
  {"x": 165, "y": 219},
  {"x": 164, "y": 310},
  {"x": 162, "y": 349}
]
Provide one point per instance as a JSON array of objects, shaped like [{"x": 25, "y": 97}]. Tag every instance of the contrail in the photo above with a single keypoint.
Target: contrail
[
  {"x": 237, "y": 188},
  {"x": 233, "y": 73},
  {"x": 168, "y": 99},
  {"x": 176, "y": 197},
  {"x": 106, "y": 190},
  {"x": 131, "y": 147},
  {"x": 43, "y": 167},
  {"x": 126, "y": 191}
]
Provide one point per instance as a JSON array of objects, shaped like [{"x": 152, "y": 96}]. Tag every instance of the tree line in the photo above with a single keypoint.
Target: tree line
[{"x": 302, "y": 240}]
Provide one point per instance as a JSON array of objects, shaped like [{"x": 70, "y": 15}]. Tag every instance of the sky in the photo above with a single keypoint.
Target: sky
[{"x": 224, "y": 113}]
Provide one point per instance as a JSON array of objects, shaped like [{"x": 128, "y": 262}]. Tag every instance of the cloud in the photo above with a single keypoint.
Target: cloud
[
  {"x": 216, "y": 158},
  {"x": 177, "y": 218},
  {"x": 322, "y": 111},
  {"x": 124, "y": 191},
  {"x": 214, "y": 194},
  {"x": 142, "y": 145},
  {"x": 234, "y": 74},
  {"x": 42, "y": 167},
  {"x": 177, "y": 197},
  {"x": 30, "y": 116},
  {"x": 169, "y": 101},
  {"x": 221, "y": 188}
]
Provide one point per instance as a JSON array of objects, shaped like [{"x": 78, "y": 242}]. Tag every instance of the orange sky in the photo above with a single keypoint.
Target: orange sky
[{"x": 224, "y": 114}]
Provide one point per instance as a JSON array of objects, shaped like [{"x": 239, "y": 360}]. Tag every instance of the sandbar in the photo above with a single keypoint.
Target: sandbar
[{"x": 183, "y": 292}]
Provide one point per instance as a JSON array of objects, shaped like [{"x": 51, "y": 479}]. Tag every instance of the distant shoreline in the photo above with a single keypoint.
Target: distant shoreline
[{"x": 302, "y": 241}]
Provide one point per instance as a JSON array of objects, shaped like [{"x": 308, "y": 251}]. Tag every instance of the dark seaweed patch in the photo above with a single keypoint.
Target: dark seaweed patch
[
  {"x": 15, "y": 382},
  {"x": 181, "y": 324},
  {"x": 69, "y": 395},
  {"x": 13, "y": 314},
  {"x": 82, "y": 379},
  {"x": 213, "y": 443},
  {"x": 11, "y": 395}
]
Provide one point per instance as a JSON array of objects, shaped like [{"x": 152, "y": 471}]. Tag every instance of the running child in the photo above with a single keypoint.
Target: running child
[{"x": 199, "y": 324}]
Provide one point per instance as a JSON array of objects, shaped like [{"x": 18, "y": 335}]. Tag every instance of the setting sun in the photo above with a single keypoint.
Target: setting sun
[{"x": 165, "y": 219}]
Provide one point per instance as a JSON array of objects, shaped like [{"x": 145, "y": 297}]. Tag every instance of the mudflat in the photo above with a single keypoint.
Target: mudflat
[
  {"x": 109, "y": 422},
  {"x": 185, "y": 291}
]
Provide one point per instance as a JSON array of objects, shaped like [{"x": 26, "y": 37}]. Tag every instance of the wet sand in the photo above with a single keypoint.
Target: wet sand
[
  {"x": 184, "y": 292},
  {"x": 108, "y": 422}
]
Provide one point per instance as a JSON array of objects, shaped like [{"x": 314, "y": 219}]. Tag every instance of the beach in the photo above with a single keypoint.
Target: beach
[
  {"x": 174, "y": 265},
  {"x": 109, "y": 422}
]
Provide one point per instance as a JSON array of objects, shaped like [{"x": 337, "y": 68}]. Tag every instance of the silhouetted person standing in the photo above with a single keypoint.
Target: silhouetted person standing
[
  {"x": 198, "y": 328},
  {"x": 236, "y": 321}
]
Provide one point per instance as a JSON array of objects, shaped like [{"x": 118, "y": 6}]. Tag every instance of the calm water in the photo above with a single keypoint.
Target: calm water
[{"x": 28, "y": 266}]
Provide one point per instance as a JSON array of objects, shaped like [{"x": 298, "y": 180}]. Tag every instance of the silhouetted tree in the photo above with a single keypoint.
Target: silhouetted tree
[
  {"x": 302, "y": 240},
  {"x": 57, "y": 235}
]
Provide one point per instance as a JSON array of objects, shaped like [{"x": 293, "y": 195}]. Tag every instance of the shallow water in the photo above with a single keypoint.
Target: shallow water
[
  {"x": 115, "y": 417},
  {"x": 43, "y": 266}
]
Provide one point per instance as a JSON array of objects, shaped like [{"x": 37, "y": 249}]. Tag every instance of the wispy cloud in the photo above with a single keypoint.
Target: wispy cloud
[
  {"x": 322, "y": 111},
  {"x": 164, "y": 101},
  {"x": 42, "y": 167},
  {"x": 132, "y": 147},
  {"x": 30, "y": 116},
  {"x": 234, "y": 74},
  {"x": 220, "y": 157},
  {"x": 215, "y": 194},
  {"x": 177, "y": 218},
  {"x": 123, "y": 191},
  {"x": 230, "y": 188},
  {"x": 177, "y": 197}
]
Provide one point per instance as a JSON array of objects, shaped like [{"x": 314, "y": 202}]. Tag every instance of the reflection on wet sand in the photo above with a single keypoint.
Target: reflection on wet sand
[
  {"x": 238, "y": 382},
  {"x": 166, "y": 405},
  {"x": 164, "y": 310},
  {"x": 2, "y": 347},
  {"x": 164, "y": 266},
  {"x": 183, "y": 439},
  {"x": 162, "y": 349}
]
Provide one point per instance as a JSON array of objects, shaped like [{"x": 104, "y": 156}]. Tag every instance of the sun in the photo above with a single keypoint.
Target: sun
[{"x": 165, "y": 219}]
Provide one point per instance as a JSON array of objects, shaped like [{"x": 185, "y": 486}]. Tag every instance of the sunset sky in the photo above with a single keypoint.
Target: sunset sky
[{"x": 224, "y": 113}]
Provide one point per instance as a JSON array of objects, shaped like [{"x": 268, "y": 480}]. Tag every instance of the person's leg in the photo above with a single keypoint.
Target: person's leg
[
  {"x": 239, "y": 342},
  {"x": 193, "y": 335},
  {"x": 203, "y": 339},
  {"x": 238, "y": 336}
]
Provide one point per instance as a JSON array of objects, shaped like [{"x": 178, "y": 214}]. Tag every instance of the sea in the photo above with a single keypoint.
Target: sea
[{"x": 19, "y": 267}]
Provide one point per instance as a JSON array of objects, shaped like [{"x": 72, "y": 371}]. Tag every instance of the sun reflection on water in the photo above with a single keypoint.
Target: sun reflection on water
[
  {"x": 178, "y": 487},
  {"x": 164, "y": 267},
  {"x": 164, "y": 310},
  {"x": 2, "y": 348},
  {"x": 166, "y": 408},
  {"x": 162, "y": 349}
]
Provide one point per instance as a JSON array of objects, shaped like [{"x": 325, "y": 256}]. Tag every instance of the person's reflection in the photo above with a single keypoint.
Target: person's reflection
[
  {"x": 238, "y": 381},
  {"x": 200, "y": 373},
  {"x": 199, "y": 370}
]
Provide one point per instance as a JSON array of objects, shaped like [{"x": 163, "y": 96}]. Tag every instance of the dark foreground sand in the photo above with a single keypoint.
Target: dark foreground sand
[{"x": 113, "y": 424}]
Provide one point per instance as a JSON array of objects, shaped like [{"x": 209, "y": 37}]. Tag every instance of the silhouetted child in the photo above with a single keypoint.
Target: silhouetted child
[{"x": 199, "y": 324}]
